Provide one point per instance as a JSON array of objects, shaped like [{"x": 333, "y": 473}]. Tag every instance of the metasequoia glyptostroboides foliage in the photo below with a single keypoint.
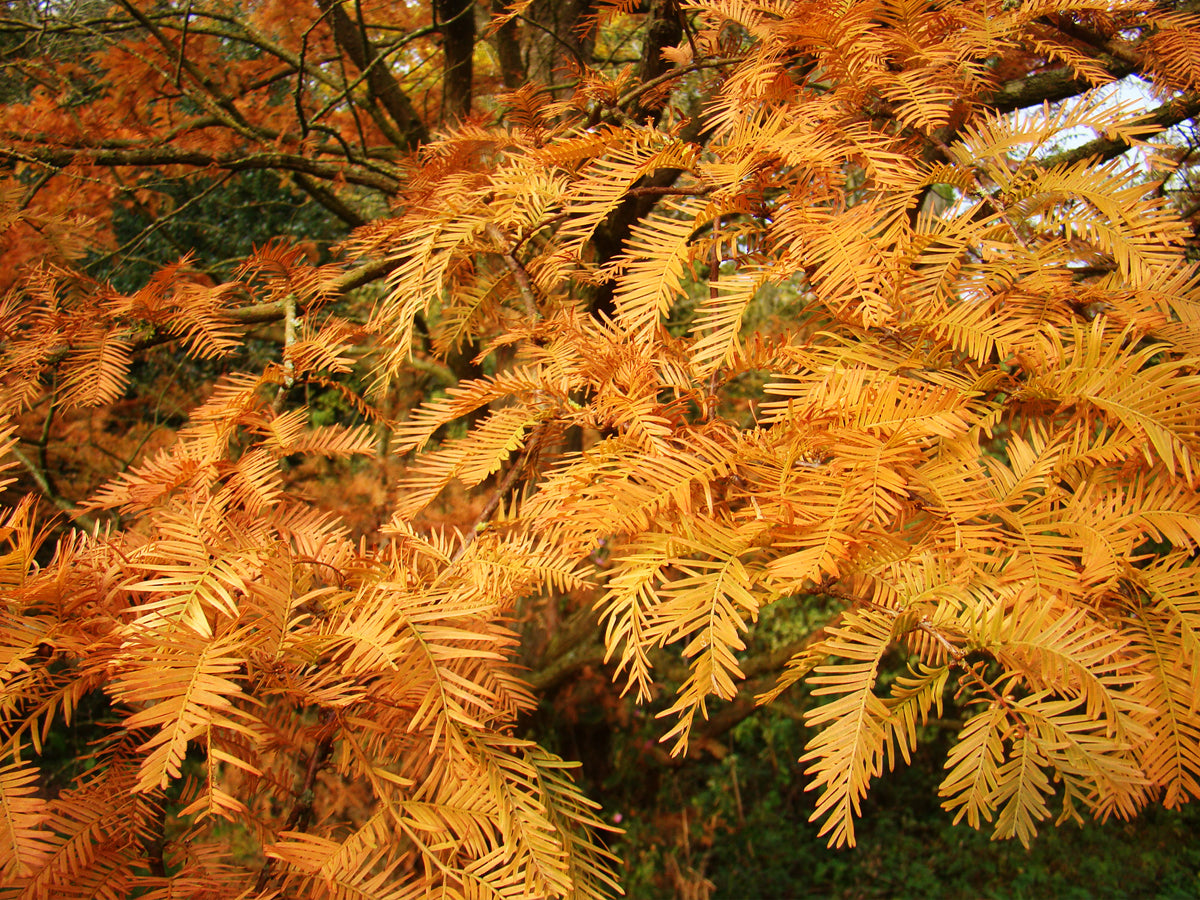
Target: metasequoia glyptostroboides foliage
[{"x": 970, "y": 356}]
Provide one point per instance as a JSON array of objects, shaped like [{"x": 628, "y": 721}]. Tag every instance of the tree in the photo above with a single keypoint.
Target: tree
[{"x": 734, "y": 305}]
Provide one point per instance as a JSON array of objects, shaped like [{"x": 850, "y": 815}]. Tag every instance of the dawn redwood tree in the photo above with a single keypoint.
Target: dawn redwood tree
[{"x": 732, "y": 304}]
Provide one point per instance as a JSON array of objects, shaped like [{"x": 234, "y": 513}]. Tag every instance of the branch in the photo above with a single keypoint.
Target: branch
[
  {"x": 380, "y": 81},
  {"x": 219, "y": 104},
  {"x": 1118, "y": 57},
  {"x": 458, "y": 46},
  {"x": 1103, "y": 46},
  {"x": 61, "y": 157},
  {"x": 361, "y": 274},
  {"x": 46, "y": 485},
  {"x": 290, "y": 321},
  {"x": 610, "y": 237},
  {"x": 665, "y": 29},
  {"x": 678, "y": 72},
  {"x": 572, "y": 647},
  {"x": 275, "y": 310},
  {"x": 158, "y": 222},
  {"x": 1050, "y": 85},
  {"x": 760, "y": 672},
  {"x": 657, "y": 191},
  {"x": 329, "y": 200},
  {"x": 301, "y": 812},
  {"x": 1166, "y": 116},
  {"x": 510, "y": 479},
  {"x": 520, "y": 274},
  {"x": 507, "y": 42}
]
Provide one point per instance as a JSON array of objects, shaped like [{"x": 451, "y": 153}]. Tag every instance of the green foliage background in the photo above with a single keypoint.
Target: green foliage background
[{"x": 908, "y": 849}]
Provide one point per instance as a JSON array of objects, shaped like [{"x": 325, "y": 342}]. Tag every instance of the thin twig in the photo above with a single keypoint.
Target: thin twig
[
  {"x": 158, "y": 222},
  {"x": 959, "y": 656},
  {"x": 301, "y": 812},
  {"x": 633, "y": 94},
  {"x": 183, "y": 38},
  {"x": 510, "y": 478},
  {"x": 298, "y": 95},
  {"x": 520, "y": 273},
  {"x": 289, "y": 338},
  {"x": 50, "y": 492},
  {"x": 38, "y": 184},
  {"x": 544, "y": 223}
]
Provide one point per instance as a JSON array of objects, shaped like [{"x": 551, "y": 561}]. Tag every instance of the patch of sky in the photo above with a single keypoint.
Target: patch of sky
[
  {"x": 1122, "y": 100},
  {"x": 999, "y": 147}
]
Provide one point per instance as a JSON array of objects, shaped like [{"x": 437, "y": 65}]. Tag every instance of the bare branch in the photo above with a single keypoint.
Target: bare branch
[
  {"x": 1166, "y": 116},
  {"x": 61, "y": 157}
]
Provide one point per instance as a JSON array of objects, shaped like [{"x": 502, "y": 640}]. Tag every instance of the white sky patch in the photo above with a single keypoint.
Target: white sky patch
[{"x": 1130, "y": 97}]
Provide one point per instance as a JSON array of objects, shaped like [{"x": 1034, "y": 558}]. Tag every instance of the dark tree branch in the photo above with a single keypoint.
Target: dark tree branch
[
  {"x": 665, "y": 30},
  {"x": 1049, "y": 85},
  {"x": 670, "y": 191},
  {"x": 276, "y": 310},
  {"x": 301, "y": 812},
  {"x": 1170, "y": 114},
  {"x": 158, "y": 222},
  {"x": 573, "y": 646},
  {"x": 507, "y": 41},
  {"x": 49, "y": 490},
  {"x": 515, "y": 472},
  {"x": 329, "y": 200},
  {"x": 671, "y": 74},
  {"x": 560, "y": 36},
  {"x": 61, "y": 157},
  {"x": 615, "y": 230},
  {"x": 380, "y": 81},
  {"x": 361, "y": 274},
  {"x": 456, "y": 21},
  {"x": 519, "y": 273},
  {"x": 1126, "y": 51},
  {"x": 209, "y": 97}
]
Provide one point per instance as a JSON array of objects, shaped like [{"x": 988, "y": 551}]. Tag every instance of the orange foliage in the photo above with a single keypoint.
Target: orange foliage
[{"x": 822, "y": 309}]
